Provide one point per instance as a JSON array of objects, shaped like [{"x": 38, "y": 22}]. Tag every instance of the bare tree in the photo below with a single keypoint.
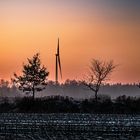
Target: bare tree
[{"x": 98, "y": 74}]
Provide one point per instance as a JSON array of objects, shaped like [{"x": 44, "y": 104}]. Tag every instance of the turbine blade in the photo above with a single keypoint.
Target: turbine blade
[{"x": 60, "y": 66}]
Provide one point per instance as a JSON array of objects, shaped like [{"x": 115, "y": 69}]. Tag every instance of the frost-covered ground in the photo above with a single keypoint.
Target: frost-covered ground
[{"x": 69, "y": 126}]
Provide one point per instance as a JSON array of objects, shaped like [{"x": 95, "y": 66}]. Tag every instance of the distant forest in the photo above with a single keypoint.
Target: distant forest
[
  {"x": 72, "y": 88},
  {"x": 71, "y": 97}
]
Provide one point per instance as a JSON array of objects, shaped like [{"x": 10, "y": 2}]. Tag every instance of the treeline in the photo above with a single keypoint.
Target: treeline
[
  {"x": 59, "y": 104},
  {"x": 72, "y": 88}
]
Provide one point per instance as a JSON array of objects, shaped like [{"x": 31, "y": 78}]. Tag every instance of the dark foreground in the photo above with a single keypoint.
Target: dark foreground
[{"x": 18, "y": 126}]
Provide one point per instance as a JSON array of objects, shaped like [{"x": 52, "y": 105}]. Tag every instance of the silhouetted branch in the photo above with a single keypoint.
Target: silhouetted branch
[
  {"x": 34, "y": 76},
  {"x": 99, "y": 72}
]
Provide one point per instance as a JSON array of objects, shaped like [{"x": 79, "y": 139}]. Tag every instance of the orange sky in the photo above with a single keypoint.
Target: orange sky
[{"x": 87, "y": 29}]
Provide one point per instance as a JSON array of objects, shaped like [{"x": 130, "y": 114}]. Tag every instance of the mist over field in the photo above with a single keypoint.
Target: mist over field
[{"x": 73, "y": 89}]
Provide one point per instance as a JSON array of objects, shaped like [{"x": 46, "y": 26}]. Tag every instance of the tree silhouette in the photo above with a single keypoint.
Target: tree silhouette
[
  {"x": 34, "y": 76},
  {"x": 99, "y": 73}
]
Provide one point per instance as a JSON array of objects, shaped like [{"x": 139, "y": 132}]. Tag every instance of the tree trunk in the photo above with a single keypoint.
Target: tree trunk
[
  {"x": 96, "y": 96},
  {"x": 33, "y": 92}
]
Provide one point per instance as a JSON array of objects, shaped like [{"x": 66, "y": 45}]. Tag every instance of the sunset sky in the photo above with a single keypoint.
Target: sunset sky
[{"x": 102, "y": 29}]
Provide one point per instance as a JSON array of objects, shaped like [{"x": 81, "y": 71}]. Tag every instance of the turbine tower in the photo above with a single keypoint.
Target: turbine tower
[{"x": 58, "y": 64}]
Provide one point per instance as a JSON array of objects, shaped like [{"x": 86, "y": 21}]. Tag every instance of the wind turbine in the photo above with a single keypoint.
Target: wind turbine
[{"x": 58, "y": 64}]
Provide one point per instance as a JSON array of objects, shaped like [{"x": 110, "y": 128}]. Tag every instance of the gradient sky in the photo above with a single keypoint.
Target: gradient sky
[{"x": 103, "y": 29}]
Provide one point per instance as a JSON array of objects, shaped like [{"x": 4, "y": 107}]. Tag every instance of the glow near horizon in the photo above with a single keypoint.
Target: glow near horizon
[{"x": 87, "y": 29}]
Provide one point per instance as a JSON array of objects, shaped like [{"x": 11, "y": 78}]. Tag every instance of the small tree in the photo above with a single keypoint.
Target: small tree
[
  {"x": 99, "y": 73},
  {"x": 34, "y": 76}
]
